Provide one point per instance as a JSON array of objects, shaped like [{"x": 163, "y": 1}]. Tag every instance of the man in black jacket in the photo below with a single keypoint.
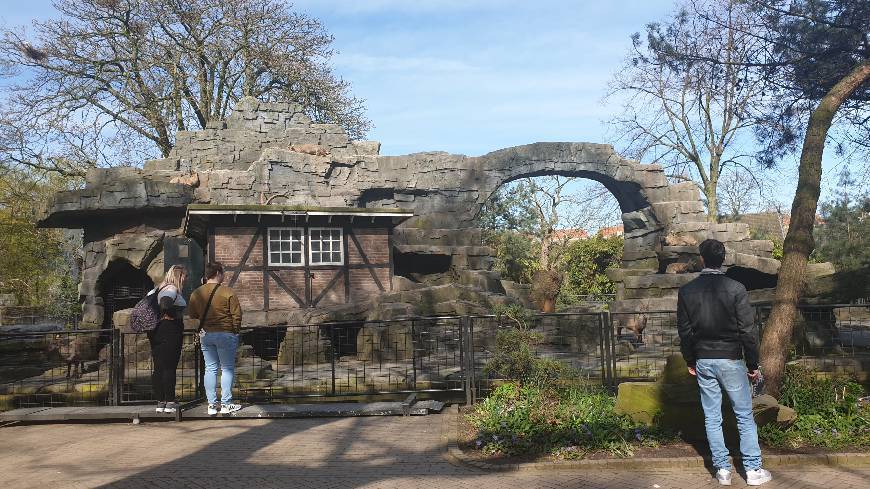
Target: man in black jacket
[{"x": 717, "y": 332}]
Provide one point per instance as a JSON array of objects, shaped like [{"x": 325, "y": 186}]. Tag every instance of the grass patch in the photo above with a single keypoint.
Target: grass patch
[{"x": 566, "y": 422}]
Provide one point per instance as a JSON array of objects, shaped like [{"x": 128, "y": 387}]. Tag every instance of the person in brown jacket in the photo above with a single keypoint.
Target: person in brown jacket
[{"x": 219, "y": 336}]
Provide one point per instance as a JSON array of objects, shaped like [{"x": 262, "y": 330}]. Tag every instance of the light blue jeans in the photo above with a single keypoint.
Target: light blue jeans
[
  {"x": 714, "y": 376},
  {"x": 219, "y": 351}
]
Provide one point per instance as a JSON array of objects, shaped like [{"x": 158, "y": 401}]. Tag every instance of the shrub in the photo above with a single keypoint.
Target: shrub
[
  {"x": 568, "y": 422},
  {"x": 806, "y": 393},
  {"x": 829, "y": 414},
  {"x": 514, "y": 359}
]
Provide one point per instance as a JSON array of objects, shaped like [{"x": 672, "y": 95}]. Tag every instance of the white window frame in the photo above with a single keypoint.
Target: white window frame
[
  {"x": 340, "y": 246},
  {"x": 301, "y": 252}
]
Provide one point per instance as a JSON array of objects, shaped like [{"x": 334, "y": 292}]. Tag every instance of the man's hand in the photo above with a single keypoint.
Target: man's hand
[
  {"x": 692, "y": 371},
  {"x": 753, "y": 376}
]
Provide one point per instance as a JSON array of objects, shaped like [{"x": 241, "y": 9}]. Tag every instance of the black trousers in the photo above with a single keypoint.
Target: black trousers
[{"x": 165, "y": 352}]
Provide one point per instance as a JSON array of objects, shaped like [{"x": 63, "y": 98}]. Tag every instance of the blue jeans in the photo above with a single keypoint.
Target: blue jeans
[
  {"x": 219, "y": 351},
  {"x": 714, "y": 376}
]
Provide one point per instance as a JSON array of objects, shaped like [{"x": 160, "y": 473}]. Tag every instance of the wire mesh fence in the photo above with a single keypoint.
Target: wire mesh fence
[
  {"x": 55, "y": 368},
  {"x": 134, "y": 365},
  {"x": 351, "y": 358},
  {"x": 435, "y": 355}
]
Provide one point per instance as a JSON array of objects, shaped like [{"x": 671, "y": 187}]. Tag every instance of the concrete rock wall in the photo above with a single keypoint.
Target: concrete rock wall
[{"x": 271, "y": 153}]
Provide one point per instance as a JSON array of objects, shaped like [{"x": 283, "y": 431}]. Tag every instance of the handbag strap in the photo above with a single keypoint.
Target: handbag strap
[{"x": 207, "y": 307}]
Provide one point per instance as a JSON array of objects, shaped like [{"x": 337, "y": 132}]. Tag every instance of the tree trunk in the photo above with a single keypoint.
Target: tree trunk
[
  {"x": 712, "y": 202},
  {"x": 799, "y": 242}
]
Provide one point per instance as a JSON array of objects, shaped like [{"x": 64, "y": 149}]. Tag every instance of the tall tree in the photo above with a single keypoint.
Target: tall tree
[
  {"x": 818, "y": 63},
  {"x": 824, "y": 50},
  {"x": 693, "y": 116},
  {"x": 110, "y": 75}
]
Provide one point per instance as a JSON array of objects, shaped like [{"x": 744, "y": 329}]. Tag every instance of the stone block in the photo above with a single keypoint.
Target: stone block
[
  {"x": 378, "y": 342},
  {"x": 304, "y": 345},
  {"x": 659, "y": 280},
  {"x": 92, "y": 316},
  {"x": 487, "y": 281},
  {"x": 521, "y": 293},
  {"x": 366, "y": 147},
  {"x": 674, "y": 402}
]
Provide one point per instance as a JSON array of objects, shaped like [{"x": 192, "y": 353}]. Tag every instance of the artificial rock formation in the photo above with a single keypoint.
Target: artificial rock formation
[{"x": 271, "y": 153}]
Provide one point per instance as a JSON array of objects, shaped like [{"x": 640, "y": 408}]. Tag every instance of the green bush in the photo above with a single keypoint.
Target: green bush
[
  {"x": 514, "y": 359},
  {"x": 829, "y": 414},
  {"x": 803, "y": 391},
  {"x": 567, "y": 422}
]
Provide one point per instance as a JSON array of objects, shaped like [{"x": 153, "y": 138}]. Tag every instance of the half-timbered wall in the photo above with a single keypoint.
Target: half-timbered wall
[{"x": 242, "y": 247}]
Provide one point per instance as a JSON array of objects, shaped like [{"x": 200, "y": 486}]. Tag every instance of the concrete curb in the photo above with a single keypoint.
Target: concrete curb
[{"x": 455, "y": 455}]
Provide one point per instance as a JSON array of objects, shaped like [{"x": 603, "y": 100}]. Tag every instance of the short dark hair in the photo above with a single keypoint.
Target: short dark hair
[
  {"x": 212, "y": 269},
  {"x": 713, "y": 253}
]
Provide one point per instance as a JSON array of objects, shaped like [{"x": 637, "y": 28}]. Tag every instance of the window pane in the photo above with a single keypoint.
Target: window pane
[
  {"x": 297, "y": 246},
  {"x": 336, "y": 234},
  {"x": 315, "y": 235},
  {"x": 315, "y": 246},
  {"x": 336, "y": 257},
  {"x": 315, "y": 258},
  {"x": 273, "y": 234},
  {"x": 297, "y": 234},
  {"x": 276, "y": 257},
  {"x": 285, "y": 234},
  {"x": 296, "y": 258}
]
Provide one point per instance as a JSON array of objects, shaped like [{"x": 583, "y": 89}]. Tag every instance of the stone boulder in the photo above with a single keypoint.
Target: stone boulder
[
  {"x": 673, "y": 402},
  {"x": 303, "y": 345},
  {"x": 377, "y": 342}
]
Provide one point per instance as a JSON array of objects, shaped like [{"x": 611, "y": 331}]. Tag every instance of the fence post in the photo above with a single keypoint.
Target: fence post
[
  {"x": 465, "y": 332},
  {"x": 332, "y": 354},
  {"x": 608, "y": 356},
  {"x": 113, "y": 382},
  {"x": 414, "y": 353}
]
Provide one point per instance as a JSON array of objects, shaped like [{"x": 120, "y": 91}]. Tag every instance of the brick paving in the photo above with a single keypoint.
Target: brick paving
[{"x": 300, "y": 453}]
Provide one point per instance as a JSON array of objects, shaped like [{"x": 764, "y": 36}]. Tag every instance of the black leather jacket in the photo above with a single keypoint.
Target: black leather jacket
[{"x": 715, "y": 320}]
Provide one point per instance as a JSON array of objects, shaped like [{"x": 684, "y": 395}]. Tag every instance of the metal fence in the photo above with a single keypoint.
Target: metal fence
[
  {"x": 55, "y": 368},
  {"x": 445, "y": 355}
]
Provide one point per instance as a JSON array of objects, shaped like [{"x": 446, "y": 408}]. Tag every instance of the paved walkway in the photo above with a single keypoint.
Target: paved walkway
[{"x": 300, "y": 453}]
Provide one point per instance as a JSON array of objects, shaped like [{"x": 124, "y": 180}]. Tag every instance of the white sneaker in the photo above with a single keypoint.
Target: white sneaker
[
  {"x": 212, "y": 409},
  {"x": 724, "y": 477},
  {"x": 160, "y": 407},
  {"x": 230, "y": 408},
  {"x": 171, "y": 407},
  {"x": 757, "y": 477}
]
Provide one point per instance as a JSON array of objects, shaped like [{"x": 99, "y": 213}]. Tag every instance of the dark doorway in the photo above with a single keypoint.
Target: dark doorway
[
  {"x": 752, "y": 279},
  {"x": 121, "y": 286}
]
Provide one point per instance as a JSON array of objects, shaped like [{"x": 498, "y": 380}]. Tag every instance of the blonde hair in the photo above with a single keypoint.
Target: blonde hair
[{"x": 174, "y": 277}]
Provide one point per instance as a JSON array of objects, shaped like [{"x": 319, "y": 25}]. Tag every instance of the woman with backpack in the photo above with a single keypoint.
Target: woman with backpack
[{"x": 166, "y": 338}]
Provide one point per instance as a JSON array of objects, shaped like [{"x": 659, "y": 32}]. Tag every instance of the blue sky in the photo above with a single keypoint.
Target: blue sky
[{"x": 474, "y": 76}]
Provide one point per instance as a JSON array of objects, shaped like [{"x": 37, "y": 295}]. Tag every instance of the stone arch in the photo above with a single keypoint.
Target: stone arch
[{"x": 649, "y": 204}]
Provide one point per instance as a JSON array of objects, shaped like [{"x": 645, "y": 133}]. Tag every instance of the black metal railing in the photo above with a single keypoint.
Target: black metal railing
[
  {"x": 432, "y": 355},
  {"x": 55, "y": 368}
]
